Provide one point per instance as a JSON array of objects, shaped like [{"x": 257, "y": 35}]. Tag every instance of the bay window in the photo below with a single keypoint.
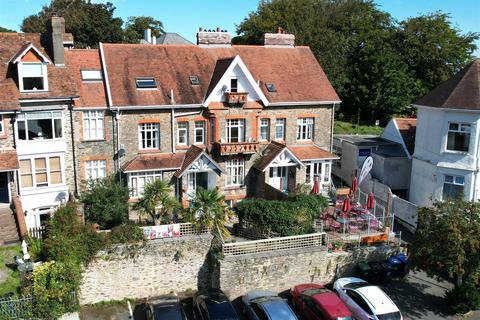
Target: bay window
[
  {"x": 458, "y": 136},
  {"x": 40, "y": 172},
  {"x": 235, "y": 172},
  {"x": 235, "y": 130},
  {"x": 93, "y": 125},
  {"x": 264, "y": 129},
  {"x": 305, "y": 128},
  {"x": 138, "y": 180},
  {"x": 149, "y": 135},
  {"x": 182, "y": 133},
  {"x": 40, "y": 125},
  {"x": 199, "y": 132}
]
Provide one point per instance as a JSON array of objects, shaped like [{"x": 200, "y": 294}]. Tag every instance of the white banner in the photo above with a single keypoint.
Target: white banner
[
  {"x": 162, "y": 231},
  {"x": 366, "y": 168}
]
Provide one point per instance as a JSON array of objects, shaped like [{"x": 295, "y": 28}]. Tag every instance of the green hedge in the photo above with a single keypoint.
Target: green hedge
[{"x": 284, "y": 218}]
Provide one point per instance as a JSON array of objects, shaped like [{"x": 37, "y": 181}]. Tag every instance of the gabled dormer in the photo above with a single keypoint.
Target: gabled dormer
[
  {"x": 233, "y": 83},
  {"x": 31, "y": 65}
]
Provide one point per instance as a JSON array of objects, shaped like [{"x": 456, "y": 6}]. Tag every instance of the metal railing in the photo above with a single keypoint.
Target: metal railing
[
  {"x": 16, "y": 307},
  {"x": 275, "y": 244}
]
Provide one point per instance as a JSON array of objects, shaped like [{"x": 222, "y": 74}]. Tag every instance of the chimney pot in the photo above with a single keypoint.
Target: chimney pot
[
  {"x": 218, "y": 29},
  {"x": 200, "y": 29}
]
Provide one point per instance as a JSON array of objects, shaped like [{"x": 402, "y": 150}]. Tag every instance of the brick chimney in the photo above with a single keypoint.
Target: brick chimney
[
  {"x": 213, "y": 38},
  {"x": 56, "y": 28},
  {"x": 279, "y": 39}
]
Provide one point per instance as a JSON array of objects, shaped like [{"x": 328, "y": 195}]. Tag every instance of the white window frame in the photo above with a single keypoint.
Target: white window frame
[
  {"x": 453, "y": 180},
  {"x": 95, "y": 169},
  {"x": 240, "y": 125},
  {"x": 52, "y": 115},
  {"x": 138, "y": 180},
  {"x": 48, "y": 171},
  {"x": 264, "y": 129},
  {"x": 91, "y": 75},
  {"x": 199, "y": 130},
  {"x": 321, "y": 169},
  {"x": 182, "y": 132},
  {"x": 280, "y": 123},
  {"x": 154, "y": 129},
  {"x": 96, "y": 125},
  {"x": 462, "y": 129},
  {"x": 235, "y": 172},
  {"x": 2, "y": 125},
  {"x": 305, "y": 128},
  {"x": 20, "y": 76},
  {"x": 232, "y": 88}
]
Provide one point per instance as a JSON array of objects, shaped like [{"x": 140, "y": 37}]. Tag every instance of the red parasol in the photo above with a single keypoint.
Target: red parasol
[
  {"x": 315, "y": 188},
  {"x": 346, "y": 205},
  {"x": 370, "y": 201},
  {"x": 354, "y": 187}
]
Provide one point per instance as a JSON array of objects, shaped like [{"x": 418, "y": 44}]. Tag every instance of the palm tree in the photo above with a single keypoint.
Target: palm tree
[
  {"x": 208, "y": 210},
  {"x": 157, "y": 202}
]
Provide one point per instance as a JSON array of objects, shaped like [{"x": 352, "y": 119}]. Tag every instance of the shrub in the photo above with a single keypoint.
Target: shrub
[
  {"x": 106, "y": 202},
  {"x": 35, "y": 247},
  {"x": 285, "y": 218},
  {"x": 126, "y": 233},
  {"x": 53, "y": 289},
  {"x": 464, "y": 298}
]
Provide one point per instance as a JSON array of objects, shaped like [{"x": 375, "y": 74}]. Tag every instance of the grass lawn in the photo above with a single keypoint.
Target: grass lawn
[
  {"x": 342, "y": 127},
  {"x": 9, "y": 279}
]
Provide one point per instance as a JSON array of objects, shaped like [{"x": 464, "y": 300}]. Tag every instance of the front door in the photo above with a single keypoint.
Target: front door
[
  {"x": 4, "y": 188},
  {"x": 279, "y": 178}
]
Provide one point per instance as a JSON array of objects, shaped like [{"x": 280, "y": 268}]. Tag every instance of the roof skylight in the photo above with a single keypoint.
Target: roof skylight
[{"x": 146, "y": 83}]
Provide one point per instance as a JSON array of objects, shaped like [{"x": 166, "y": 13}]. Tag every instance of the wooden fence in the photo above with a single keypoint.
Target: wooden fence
[
  {"x": 275, "y": 244},
  {"x": 38, "y": 233}
]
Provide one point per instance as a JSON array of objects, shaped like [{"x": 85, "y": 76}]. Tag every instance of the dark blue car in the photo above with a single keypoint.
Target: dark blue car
[
  {"x": 166, "y": 307},
  {"x": 266, "y": 305},
  {"x": 213, "y": 305}
]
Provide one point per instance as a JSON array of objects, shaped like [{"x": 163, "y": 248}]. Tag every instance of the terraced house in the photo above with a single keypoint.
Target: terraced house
[{"x": 253, "y": 121}]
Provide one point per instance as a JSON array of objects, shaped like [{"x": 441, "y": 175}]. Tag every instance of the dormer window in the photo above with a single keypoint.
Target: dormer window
[
  {"x": 194, "y": 80},
  {"x": 91, "y": 75},
  {"x": 146, "y": 83},
  {"x": 234, "y": 85},
  {"x": 32, "y": 76}
]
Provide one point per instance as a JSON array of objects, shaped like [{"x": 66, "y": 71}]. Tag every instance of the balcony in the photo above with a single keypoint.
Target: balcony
[
  {"x": 237, "y": 147},
  {"x": 236, "y": 99}
]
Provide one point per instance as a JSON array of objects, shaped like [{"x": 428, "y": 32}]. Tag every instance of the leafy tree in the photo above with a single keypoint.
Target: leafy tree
[
  {"x": 2, "y": 29},
  {"x": 89, "y": 22},
  {"x": 157, "y": 202},
  {"x": 106, "y": 202},
  {"x": 208, "y": 210},
  {"x": 135, "y": 27},
  {"x": 375, "y": 63},
  {"x": 447, "y": 241}
]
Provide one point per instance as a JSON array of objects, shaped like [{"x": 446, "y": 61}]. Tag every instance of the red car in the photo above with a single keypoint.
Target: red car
[{"x": 315, "y": 302}]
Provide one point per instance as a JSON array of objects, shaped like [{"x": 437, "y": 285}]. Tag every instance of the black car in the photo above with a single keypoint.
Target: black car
[
  {"x": 213, "y": 305},
  {"x": 166, "y": 307}
]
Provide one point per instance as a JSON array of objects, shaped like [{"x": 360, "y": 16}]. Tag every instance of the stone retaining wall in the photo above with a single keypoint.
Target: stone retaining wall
[
  {"x": 279, "y": 271},
  {"x": 161, "y": 266}
]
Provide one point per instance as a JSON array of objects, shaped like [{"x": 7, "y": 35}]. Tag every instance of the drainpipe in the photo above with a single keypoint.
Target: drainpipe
[
  {"x": 117, "y": 120},
  {"x": 476, "y": 172},
  {"x": 173, "y": 130},
  {"x": 70, "y": 108},
  {"x": 331, "y": 127}
]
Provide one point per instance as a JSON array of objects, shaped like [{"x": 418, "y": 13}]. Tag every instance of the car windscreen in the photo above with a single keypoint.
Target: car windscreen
[
  {"x": 314, "y": 291},
  {"x": 390, "y": 316},
  {"x": 167, "y": 312},
  {"x": 220, "y": 309}
]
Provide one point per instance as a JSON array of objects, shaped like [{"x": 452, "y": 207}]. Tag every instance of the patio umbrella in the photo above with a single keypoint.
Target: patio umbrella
[
  {"x": 370, "y": 201},
  {"x": 346, "y": 205},
  {"x": 315, "y": 188},
  {"x": 354, "y": 187}
]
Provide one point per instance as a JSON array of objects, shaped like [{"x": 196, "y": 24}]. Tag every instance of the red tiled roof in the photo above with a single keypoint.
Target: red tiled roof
[
  {"x": 92, "y": 94},
  {"x": 60, "y": 82},
  {"x": 407, "y": 128},
  {"x": 192, "y": 154},
  {"x": 8, "y": 160},
  {"x": 159, "y": 161},
  {"x": 462, "y": 91},
  {"x": 295, "y": 72},
  {"x": 311, "y": 152}
]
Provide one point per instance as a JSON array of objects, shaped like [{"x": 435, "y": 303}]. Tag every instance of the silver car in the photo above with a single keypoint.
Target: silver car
[{"x": 266, "y": 305}]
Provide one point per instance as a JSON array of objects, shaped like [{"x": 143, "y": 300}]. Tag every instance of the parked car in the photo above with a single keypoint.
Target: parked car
[
  {"x": 266, "y": 305},
  {"x": 213, "y": 305},
  {"x": 366, "y": 301},
  {"x": 166, "y": 307},
  {"x": 315, "y": 302}
]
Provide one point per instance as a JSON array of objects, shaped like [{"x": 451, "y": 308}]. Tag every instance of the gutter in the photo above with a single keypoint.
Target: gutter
[
  {"x": 162, "y": 106},
  {"x": 302, "y": 103}
]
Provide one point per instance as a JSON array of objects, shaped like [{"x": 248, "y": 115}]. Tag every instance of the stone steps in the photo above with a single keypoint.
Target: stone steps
[{"x": 8, "y": 226}]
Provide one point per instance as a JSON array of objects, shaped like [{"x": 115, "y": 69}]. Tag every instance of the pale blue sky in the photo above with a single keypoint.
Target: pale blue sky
[{"x": 185, "y": 16}]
